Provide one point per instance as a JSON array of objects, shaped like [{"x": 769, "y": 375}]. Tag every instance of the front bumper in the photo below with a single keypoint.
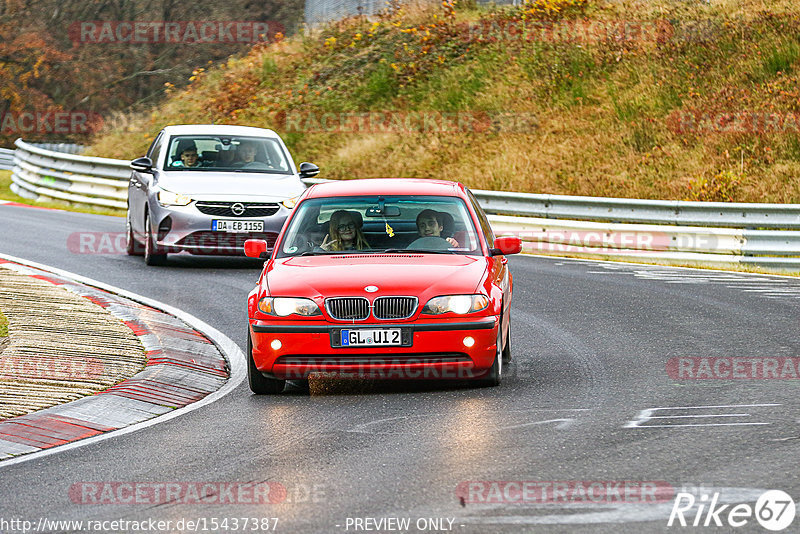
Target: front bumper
[
  {"x": 185, "y": 228},
  {"x": 437, "y": 350}
]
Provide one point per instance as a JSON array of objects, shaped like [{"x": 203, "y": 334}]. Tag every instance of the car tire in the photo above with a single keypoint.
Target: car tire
[
  {"x": 152, "y": 255},
  {"x": 260, "y": 384},
  {"x": 507, "y": 348},
  {"x": 132, "y": 247},
  {"x": 494, "y": 375}
]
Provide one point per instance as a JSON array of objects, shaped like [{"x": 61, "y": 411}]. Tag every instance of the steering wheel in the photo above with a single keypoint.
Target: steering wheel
[
  {"x": 256, "y": 165},
  {"x": 429, "y": 243}
]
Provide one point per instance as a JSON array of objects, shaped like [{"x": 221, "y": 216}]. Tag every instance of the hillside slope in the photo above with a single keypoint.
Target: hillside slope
[{"x": 675, "y": 100}]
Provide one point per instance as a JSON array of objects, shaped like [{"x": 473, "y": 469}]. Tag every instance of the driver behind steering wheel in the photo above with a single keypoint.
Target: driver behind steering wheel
[
  {"x": 430, "y": 223},
  {"x": 248, "y": 156}
]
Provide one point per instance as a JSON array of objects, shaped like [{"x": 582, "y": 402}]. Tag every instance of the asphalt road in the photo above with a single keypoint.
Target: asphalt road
[{"x": 591, "y": 342}]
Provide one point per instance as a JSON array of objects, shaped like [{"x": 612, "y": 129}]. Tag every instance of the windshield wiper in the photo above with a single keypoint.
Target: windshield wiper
[
  {"x": 316, "y": 253},
  {"x": 417, "y": 251}
]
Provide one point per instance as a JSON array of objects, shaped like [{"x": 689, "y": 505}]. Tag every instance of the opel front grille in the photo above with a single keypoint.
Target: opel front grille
[{"x": 243, "y": 209}]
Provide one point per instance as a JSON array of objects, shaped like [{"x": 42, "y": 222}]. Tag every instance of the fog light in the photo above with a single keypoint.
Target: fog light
[
  {"x": 276, "y": 344},
  {"x": 468, "y": 341}
]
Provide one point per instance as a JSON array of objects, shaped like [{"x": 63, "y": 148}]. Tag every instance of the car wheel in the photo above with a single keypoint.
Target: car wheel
[
  {"x": 152, "y": 255},
  {"x": 495, "y": 373},
  {"x": 260, "y": 384},
  {"x": 132, "y": 247},
  {"x": 507, "y": 348}
]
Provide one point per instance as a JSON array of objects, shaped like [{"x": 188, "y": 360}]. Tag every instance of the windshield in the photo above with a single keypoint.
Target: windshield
[
  {"x": 221, "y": 153},
  {"x": 380, "y": 224}
]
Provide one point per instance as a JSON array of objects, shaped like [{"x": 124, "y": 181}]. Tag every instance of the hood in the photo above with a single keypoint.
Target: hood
[
  {"x": 421, "y": 275},
  {"x": 210, "y": 185}
]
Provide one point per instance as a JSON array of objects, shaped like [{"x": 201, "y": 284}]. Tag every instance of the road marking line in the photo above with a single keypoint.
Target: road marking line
[{"x": 647, "y": 415}]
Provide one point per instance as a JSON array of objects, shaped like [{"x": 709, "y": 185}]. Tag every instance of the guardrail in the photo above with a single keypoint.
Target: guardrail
[
  {"x": 693, "y": 245},
  {"x": 677, "y": 212},
  {"x": 41, "y": 173},
  {"x": 69, "y": 148},
  {"x": 6, "y": 159},
  {"x": 713, "y": 233}
]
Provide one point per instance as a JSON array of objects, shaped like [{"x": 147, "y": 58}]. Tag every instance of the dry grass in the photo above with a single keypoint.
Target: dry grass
[
  {"x": 602, "y": 110},
  {"x": 3, "y": 325}
]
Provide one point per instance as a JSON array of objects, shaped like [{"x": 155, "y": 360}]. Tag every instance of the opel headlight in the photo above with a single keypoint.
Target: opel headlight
[
  {"x": 285, "y": 306},
  {"x": 168, "y": 198},
  {"x": 460, "y": 304},
  {"x": 290, "y": 202}
]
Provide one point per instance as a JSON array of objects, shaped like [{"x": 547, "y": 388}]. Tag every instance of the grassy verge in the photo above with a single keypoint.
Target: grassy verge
[
  {"x": 3, "y": 325},
  {"x": 605, "y": 116},
  {"x": 7, "y": 194}
]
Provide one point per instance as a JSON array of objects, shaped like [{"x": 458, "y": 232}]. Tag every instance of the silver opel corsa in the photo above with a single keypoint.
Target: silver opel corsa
[{"x": 206, "y": 189}]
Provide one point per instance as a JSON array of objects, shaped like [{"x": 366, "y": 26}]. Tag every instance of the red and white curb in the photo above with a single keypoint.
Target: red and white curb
[
  {"x": 189, "y": 364},
  {"x": 20, "y": 205}
]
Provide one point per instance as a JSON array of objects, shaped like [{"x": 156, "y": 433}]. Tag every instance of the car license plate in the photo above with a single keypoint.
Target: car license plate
[
  {"x": 364, "y": 337},
  {"x": 226, "y": 225}
]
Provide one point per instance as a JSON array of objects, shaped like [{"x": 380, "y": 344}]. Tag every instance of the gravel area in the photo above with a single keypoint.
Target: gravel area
[{"x": 60, "y": 347}]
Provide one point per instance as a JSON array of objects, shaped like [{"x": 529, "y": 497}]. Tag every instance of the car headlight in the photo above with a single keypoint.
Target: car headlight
[
  {"x": 460, "y": 304},
  {"x": 290, "y": 202},
  {"x": 168, "y": 198},
  {"x": 285, "y": 306}
]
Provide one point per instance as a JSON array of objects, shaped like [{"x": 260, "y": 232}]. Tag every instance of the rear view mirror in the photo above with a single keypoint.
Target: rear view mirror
[
  {"x": 256, "y": 248},
  {"x": 143, "y": 164},
  {"x": 387, "y": 211},
  {"x": 308, "y": 170},
  {"x": 504, "y": 246}
]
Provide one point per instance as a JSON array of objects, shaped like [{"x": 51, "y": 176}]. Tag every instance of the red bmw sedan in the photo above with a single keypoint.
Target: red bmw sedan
[{"x": 382, "y": 278}]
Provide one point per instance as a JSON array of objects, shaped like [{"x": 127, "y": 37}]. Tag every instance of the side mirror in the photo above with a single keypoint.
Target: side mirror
[
  {"x": 308, "y": 170},
  {"x": 503, "y": 246},
  {"x": 144, "y": 164},
  {"x": 256, "y": 248}
]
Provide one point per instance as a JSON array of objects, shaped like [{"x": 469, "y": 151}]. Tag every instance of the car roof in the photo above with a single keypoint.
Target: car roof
[
  {"x": 218, "y": 129},
  {"x": 387, "y": 186}
]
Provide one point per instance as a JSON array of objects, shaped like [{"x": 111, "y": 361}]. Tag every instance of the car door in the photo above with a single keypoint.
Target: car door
[
  {"x": 139, "y": 187},
  {"x": 499, "y": 272}
]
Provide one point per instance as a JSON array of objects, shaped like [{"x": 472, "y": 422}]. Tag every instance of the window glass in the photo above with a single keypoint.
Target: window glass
[
  {"x": 378, "y": 224},
  {"x": 482, "y": 220},
  {"x": 243, "y": 154},
  {"x": 155, "y": 149}
]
